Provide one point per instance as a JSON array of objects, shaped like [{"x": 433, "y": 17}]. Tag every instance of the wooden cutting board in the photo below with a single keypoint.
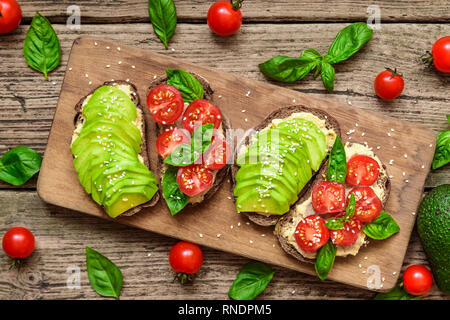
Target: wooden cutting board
[{"x": 406, "y": 148}]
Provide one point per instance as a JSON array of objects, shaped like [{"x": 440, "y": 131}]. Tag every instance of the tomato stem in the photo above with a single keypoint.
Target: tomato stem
[
  {"x": 16, "y": 263},
  {"x": 394, "y": 72},
  {"x": 427, "y": 58},
  {"x": 184, "y": 278},
  {"x": 236, "y": 5}
]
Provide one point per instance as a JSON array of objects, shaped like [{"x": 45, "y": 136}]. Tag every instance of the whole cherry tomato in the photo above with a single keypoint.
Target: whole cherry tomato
[
  {"x": 417, "y": 280},
  {"x": 18, "y": 243},
  {"x": 225, "y": 17},
  {"x": 389, "y": 84},
  {"x": 441, "y": 54},
  {"x": 185, "y": 258},
  {"x": 10, "y": 15}
]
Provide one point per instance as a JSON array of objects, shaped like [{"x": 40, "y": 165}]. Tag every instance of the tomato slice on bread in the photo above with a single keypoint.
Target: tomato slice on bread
[
  {"x": 217, "y": 154},
  {"x": 201, "y": 112},
  {"x": 347, "y": 235},
  {"x": 328, "y": 197},
  {"x": 194, "y": 179},
  {"x": 311, "y": 233},
  {"x": 165, "y": 104},
  {"x": 170, "y": 139},
  {"x": 368, "y": 205},
  {"x": 362, "y": 171}
]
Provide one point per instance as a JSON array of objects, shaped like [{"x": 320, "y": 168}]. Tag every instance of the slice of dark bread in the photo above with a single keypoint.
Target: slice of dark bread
[
  {"x": 281, "y": 113},
  {"x": 144, "y": 146},
  {"x": 226, "y": 125},
  {"x": 383, "y": 182}
]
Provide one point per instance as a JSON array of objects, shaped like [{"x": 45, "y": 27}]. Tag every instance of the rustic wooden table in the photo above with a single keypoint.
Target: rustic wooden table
[{"x": 27, "y": 105}]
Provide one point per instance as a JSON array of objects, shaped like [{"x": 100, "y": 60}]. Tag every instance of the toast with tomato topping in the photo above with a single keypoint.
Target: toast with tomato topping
[{"x": 304, "y": 136}]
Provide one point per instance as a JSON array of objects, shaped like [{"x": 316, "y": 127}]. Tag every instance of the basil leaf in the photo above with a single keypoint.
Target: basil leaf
[
  {"x": 448, "y": 117},
  {"x": 104, "y": 276},
  {"x": 325, "y": 260},
  {"x": 19, "y": 164},
  {"x": 175, "y": 199},
  {"x": 181, "y": 156},
  {"x": 201, "y": 138},
  {"x": 41, "y": 48},
  {"x": 442, "y": 152},
  {"x": 251, "y": 281},
  {"x": 398, "y": 293},
  {"x": 337, "y": 163},
  {"x": 327, "y": 74},
  {"x": 348, "y": 41},
  {"x": 190, "y": 88},
  {"x": 382, "y": 227},
  {"x": 163, "y": 16},
  {"x": 351, "y": 207},
  {"x": 335, "y": 224}
]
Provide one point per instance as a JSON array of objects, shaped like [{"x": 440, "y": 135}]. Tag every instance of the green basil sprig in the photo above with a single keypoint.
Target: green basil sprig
[
  {"x": 190, "y": 88},
  {"x": 251, "y": 281},
  {"x": 19, "y": 164},
  {"x": 339, "y": 223},
  {"x": 175, "y": 199},
  {"x": 382, "y": 227},
  {"x": 105, "y": 277},
  {"x": 163, "y": 15},
  {"x": 397, "y": 293},
  {"x": 442, "y": 152},
  {"x": 325, "y": 260},
  {"x": 41, "y": 48},
  {"x": 347, "y": 42},
  {"x": 337, "y": 163}
]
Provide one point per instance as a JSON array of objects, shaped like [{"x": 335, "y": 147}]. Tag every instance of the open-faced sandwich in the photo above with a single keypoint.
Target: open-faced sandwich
[
  {"x": 277, "y": 160},
  {"x": 110, "y": 150},
  {"x": 191, "y": 142},
  {"x": 342, "y": 207}
]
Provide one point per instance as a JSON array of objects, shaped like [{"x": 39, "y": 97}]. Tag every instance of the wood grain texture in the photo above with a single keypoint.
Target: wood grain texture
[
  {"x": 88, "y": 59},
  {"x": 27, "y": 102},
  {"x": 253, "y": 10},
  {"x": 142, "y": 256}
]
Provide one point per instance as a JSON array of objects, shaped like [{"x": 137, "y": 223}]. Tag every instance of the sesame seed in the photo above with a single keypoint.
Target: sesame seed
[
  {"x": 246, "y": 120},
  {"x": 389, "y": 134},
  {"x": 239, "y": 224},
  {"x": 86, "y": 75},
  {"x": 423, "y": 166},
  {"x": 218, "y": 235},
  {"x": 349, "y": 102},
  {"x": 70, "y": 69},
  {"x": 406, "y": 181},
  {"x": 404, "y": 173},
  {"x": 108, "y": 65},
  {"x": 293, "y": 291},
  {"x": 360, "y": 265},
  {"x": 54, "y": 82},
  {"x": 108, "y": 47},
  {"x": 243, "y": 110},
  {"x": 134, "y": 67},
  {"x": 431, "y": 145},
  {"x": 378, "y": 147},
  {"x": 120, "y": 62},
  {"x": 293, "y": 100},
  {"x": 154, "y": 77},
  {"x": 394, "y": 273},
  {"x": 365, "y": 258},
  {"x": 172, "y": 49},
  {"x": 90, "y": 82},
  {"x": 95, "y": 43},
  {"x": 118, "y": 48},
  {"x": 391, "y": 161},
  {"x": 251, "y": 241},
  {"x": 201, "y": 235}
]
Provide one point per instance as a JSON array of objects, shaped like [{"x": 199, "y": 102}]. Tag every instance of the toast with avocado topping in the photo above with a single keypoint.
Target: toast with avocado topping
[
  {"x": 277, "y": 160},
  {"x": 109, "y": 146}
]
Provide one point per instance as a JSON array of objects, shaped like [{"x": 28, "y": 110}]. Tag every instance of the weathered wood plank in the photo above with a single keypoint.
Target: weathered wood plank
[
  {"x": 142, "y": 256},
  {"x": 254, "y": 10},
  {"x": 27, "y": 102}
]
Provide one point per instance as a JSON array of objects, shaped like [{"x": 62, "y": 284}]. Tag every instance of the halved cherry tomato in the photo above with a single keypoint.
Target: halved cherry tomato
[
  {"x": 362, "y": 171},
  {"x": 169, "y": 139},
  {"x": 217, "y": 155},
  {"x": 347, "y": 235},
  {"x": 165, "y": 104},
  {"x": 328, "y": 197},
  {"x": 201, "y": 112},
  {"x": 194, "y": 179},
  {"x": 368, "y": 205},
  {"x": 417, "y": 280},
  {"x": 311, "y": 233}
]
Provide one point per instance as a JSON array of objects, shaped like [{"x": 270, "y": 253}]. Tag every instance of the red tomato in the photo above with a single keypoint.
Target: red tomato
[
  {"x": 224, "y": 17},
  {"x": 417, "y": 280},
  {"x": 185, "y": 257},
  {"x": 388, "y": 84},
  {"x": 348, "y": 235},
  {"x": 328, "y": 197},
  {"x": 362, "y": 171},
  {"x": 311, "y": 233},
  {"x": 169, "y": 139},
  {"x": 368, "y": 205},
  {"x": 217, "y": 155},
  {"x": 194, "y": 179},
  {"x": 18, "y": 243},
  {"x": 165, "y": 104},
  {"x": 201, "y": 112},
  {"x": 441, "y": 54},
  {"x": 10, "y": 15}
]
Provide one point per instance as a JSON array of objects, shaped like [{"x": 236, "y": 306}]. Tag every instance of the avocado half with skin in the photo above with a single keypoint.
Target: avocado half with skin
[{"x": 110, "y": 150}]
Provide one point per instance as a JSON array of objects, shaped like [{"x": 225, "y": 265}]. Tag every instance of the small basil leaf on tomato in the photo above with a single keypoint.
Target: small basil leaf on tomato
[
  {"x": 104, "y": 276},
  {"x": 41, "y": 48},
  {"x": 19, "y": 164},
  {"x": 335, "y": 224},
  {"x": 351, "y": 207},
  {"x": 181, "y": 156},
  {"x": 327, "y": 75},
  {"x": 175, "y": 199},
  {"x": 251, "y": 281},
  {"x": 163, "y": 15},
  {"x": 397, "y": 293},
  {"x": 190, "y": 88},
  {"x": 337, "y": 163},
  {"x": 201, "y": 138},
  {"x": 442, "y": 152},
  {"x": 325, "y": 260},
  {"x": 348, "y": 41},
  {"x": 382, "y": 227}
]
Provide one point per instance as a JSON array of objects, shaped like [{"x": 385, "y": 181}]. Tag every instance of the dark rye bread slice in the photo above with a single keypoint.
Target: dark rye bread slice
[
  {"x": 383, "y": 182},
  {"x": 144, "y": 146},
  {"x": 281, "y": 113},
  {"x": 226, "y": 125}
]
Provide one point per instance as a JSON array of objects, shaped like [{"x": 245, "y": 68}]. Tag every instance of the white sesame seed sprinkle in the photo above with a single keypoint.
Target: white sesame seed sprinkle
[
  {"x": 70, "y": 69},
  {"x": 201, "y": 235},
  {"x": 108, "y": 47},
  {"x": 134, "y": 67}
]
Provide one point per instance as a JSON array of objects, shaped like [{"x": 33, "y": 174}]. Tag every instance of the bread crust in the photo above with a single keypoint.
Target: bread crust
[
  {"x": 144, "y": 146},
  {"x": 281, "y": 113}
]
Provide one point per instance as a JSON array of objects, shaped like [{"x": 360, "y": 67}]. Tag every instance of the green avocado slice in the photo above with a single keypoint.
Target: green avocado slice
[
  {"x": 265, "y": 187},
  {"x": 129, "y": 179},
  {"x": 124, "y": 126},
  {"x": 252, "y": 201}
]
